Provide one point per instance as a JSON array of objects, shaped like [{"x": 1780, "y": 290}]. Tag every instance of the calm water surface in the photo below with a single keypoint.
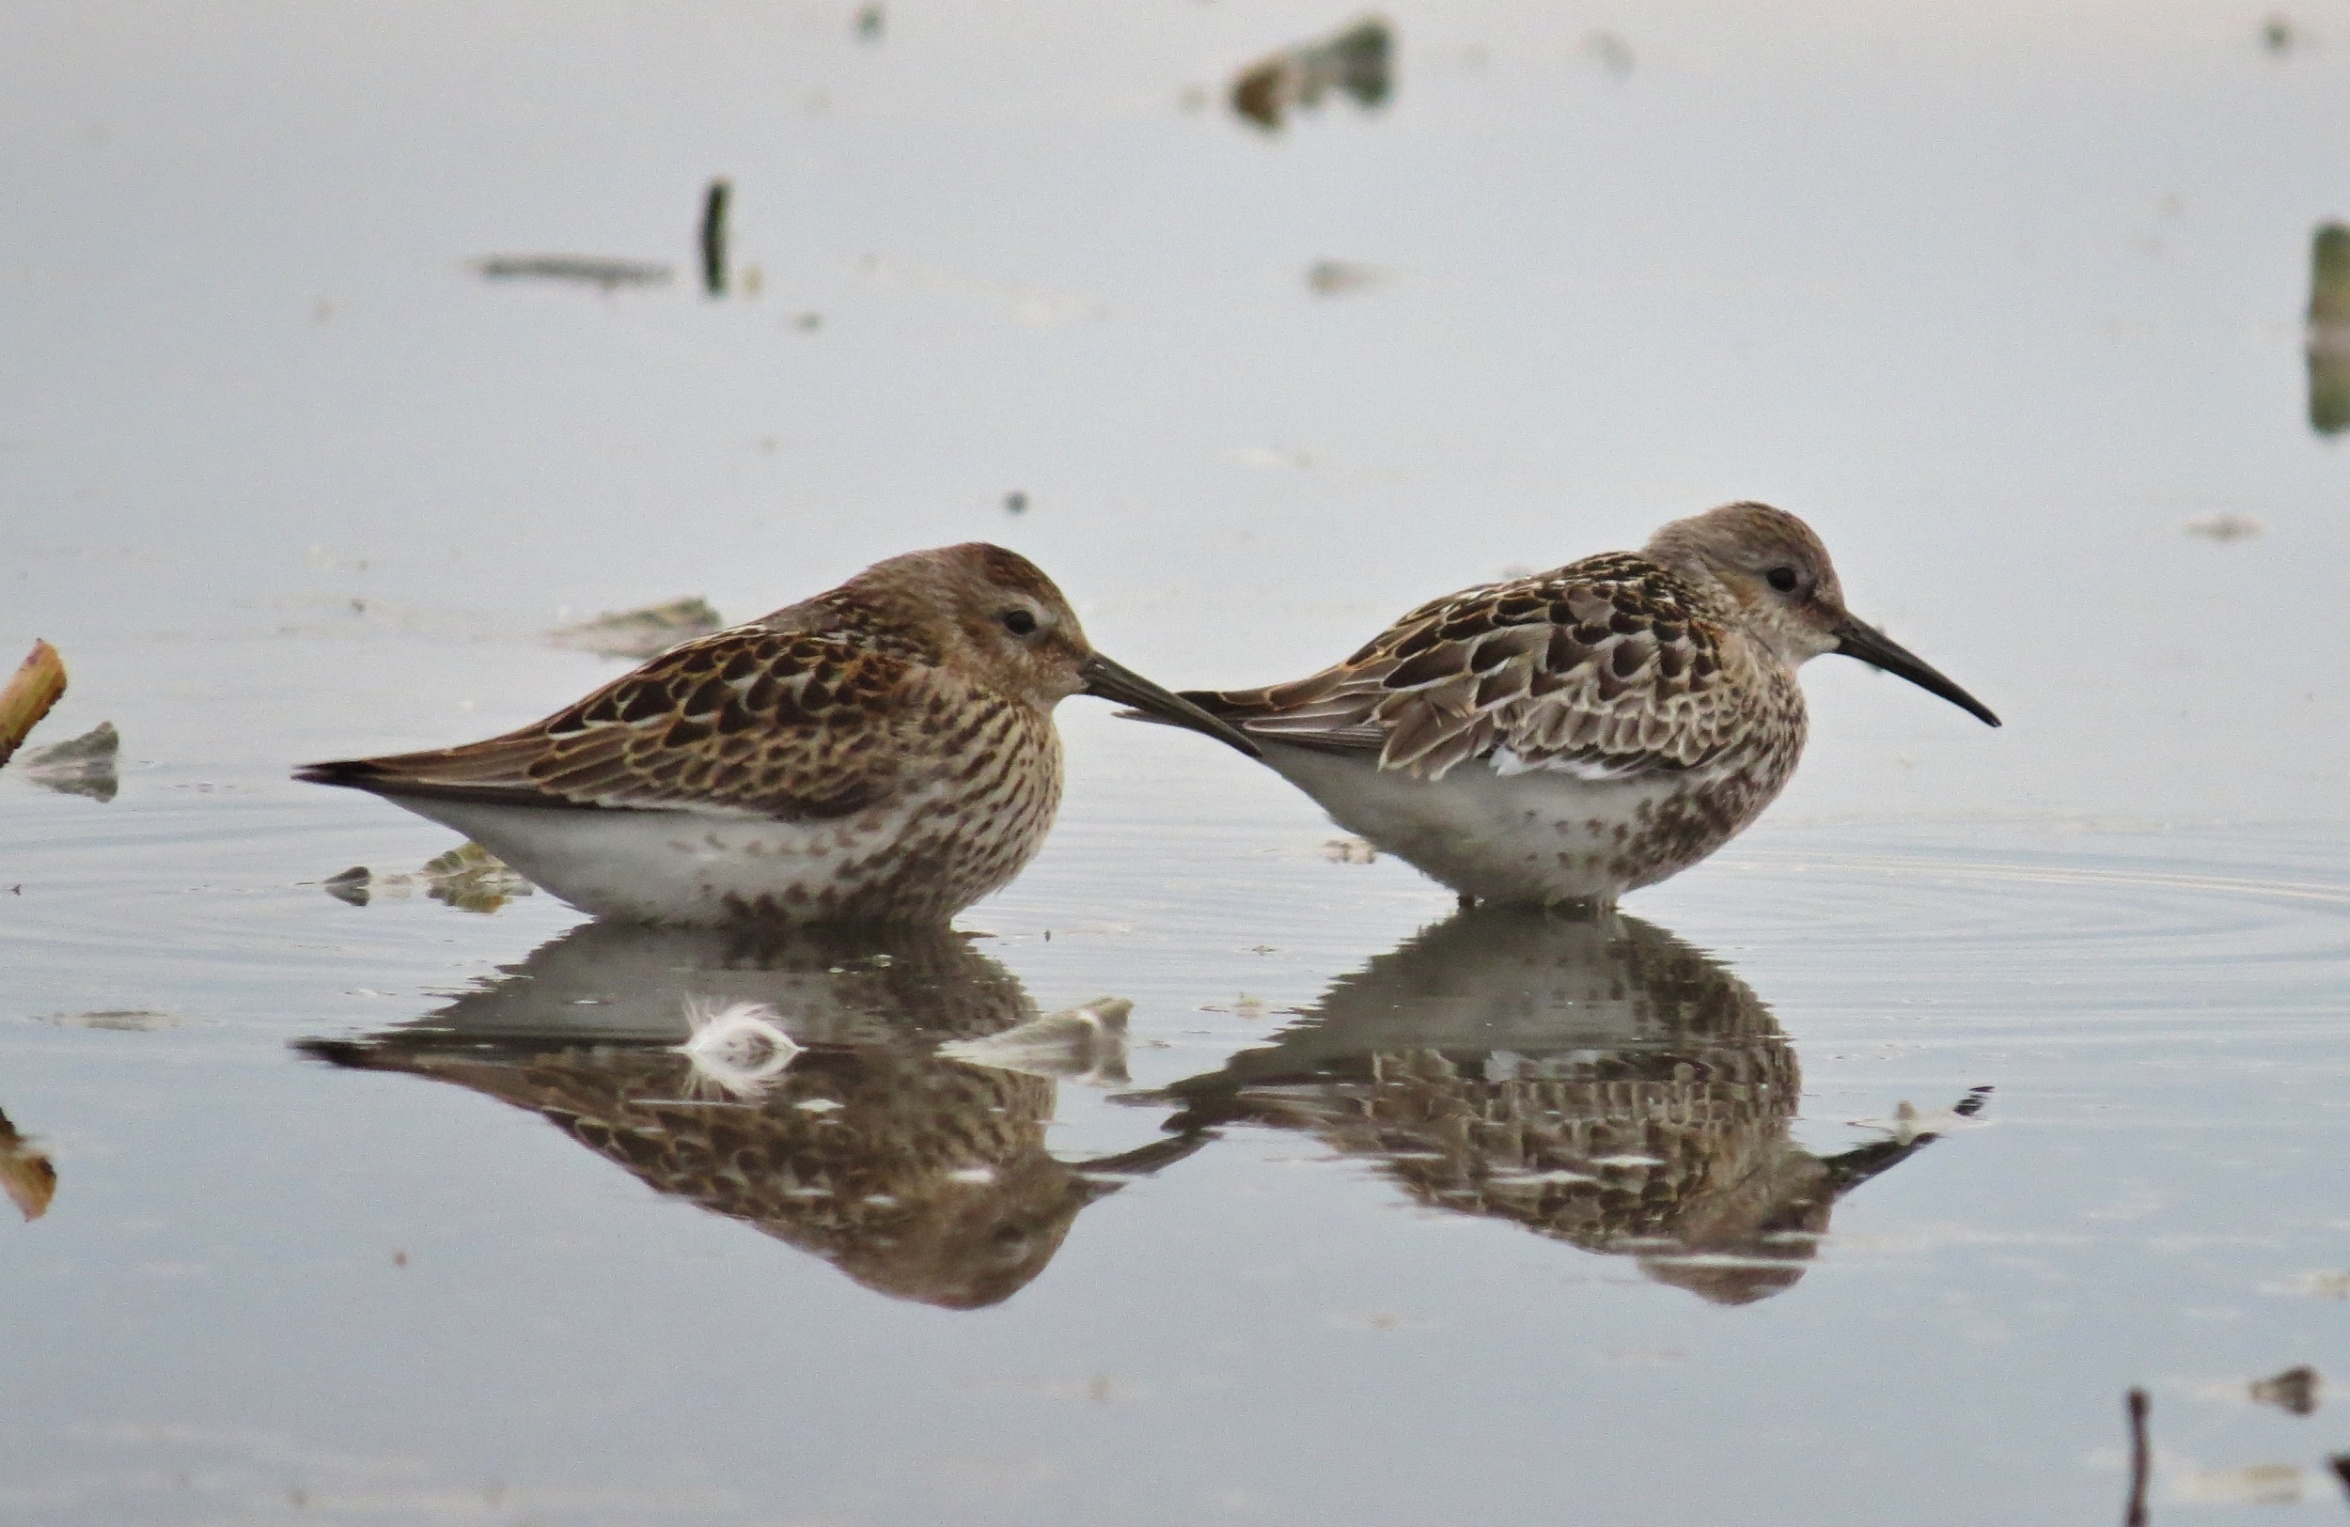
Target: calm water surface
[{"x": 1853, "y": 1176}]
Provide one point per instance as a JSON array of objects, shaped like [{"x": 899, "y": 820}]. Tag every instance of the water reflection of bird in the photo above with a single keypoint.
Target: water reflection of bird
[
  {"x": 884, "y": 752},
  {"x": 1567, "y": 737},
  {"x": 1596, "y": 1080},
  {"x": 919, "y": 1176}
]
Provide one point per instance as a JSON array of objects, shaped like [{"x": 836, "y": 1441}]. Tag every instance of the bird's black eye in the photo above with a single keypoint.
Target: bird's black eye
[
  {"x": 1782, "y": 579},
  {"x": 1019, "y": 622}
]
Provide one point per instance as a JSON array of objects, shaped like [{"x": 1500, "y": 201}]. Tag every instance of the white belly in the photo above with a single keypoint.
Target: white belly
[
  {"x": 1539, "y": 837},
  {"x": 693, "y": 868}
]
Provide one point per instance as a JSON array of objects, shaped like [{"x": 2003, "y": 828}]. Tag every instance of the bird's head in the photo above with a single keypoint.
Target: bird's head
[
  {"x": 1776, "y": 573},
  {"x": 994, "y": 615}
]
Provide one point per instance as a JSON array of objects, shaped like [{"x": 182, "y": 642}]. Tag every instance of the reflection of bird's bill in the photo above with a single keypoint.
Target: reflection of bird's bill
[
  {"x": 1596, "y": 1080},
  {"x": 1872, "y": 646},
  {"x": 1114, "y": 681}
]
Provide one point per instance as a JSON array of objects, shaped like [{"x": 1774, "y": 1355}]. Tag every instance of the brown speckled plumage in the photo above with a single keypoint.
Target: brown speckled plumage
[
  {"x": 917, "y": 1175},
  {"x": 1568, "y": 736},
  {"x": 921, "y": 1178},
  {"x": 883, "y": 752},
  {"x": 1597, "y": 1081},
  {"x": 1610, "y": 663}
]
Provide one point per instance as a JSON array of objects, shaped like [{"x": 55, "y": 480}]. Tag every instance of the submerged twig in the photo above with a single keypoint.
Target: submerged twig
[
  {"x": 2141, "y": 1458},
  {"x": 714, "y": 237},
  {"x": 2327, "y": 347}
]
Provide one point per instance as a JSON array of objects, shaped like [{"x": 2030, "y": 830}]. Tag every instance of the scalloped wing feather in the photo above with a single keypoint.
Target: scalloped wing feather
[
  {"x": 764, "y": 722},
  {"x": 1604, "y": 668}
]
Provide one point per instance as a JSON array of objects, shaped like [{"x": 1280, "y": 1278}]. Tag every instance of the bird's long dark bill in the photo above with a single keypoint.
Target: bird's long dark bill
[
  {"x": 1113, "y": 682},
  {"x": 1875, "y": 648}
]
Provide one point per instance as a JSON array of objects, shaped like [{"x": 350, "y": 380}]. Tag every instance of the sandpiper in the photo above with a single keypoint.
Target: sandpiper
[
  {"x": 1570, "y": 736},
  {"x": 881, "y": 753}
]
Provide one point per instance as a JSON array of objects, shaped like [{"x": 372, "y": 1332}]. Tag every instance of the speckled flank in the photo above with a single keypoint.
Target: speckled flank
[
  {"x": 1576, "y": 734},
  {"x": 1593, "y": 1079},
  {"x": 980, "y": 823},
  {"x": 920, "y": 1177},
  {"x": 883, "y": 752}
]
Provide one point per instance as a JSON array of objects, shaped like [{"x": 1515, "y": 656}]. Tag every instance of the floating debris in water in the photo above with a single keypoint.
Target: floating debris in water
[
  {"x": 472, "y": 879},
  {"x": 1609, "y": 53},
  {"x": 2295, "y": 1391},
  {"x": 114, "y": 1020},
  {"x": 1337, "y": 278},
  {"x": 2327, "y": 343},
  {"x": 2329, "y": 275},
  {"x": 1908, "y": 1124},
  {"x": 82, "y": 765},
  {"x": 1087, "y": 1043},
  {"x": 37, "y": 686},
  {"x": 2224, "y": 527},
  {"x": 2313, "y": 1285},
  {"x": 2255, "y": 1484},
  {"x": 740, "y": 1048},
  {"x": 714, "y": 237},
  {"x": 468, "y": 877},
  {"x": 1378, "y": 1320},
  {"x": 589, "y": 270},
  {"x": 1354, "y": 61},
  {"x": 29, "y": 1177},
  {"x": 1350, "y": 851},
  {"x": 641, "y": 633}
]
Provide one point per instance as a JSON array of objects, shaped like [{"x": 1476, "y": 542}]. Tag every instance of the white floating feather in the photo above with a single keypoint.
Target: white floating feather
[{"x": 740, "y": 1048}]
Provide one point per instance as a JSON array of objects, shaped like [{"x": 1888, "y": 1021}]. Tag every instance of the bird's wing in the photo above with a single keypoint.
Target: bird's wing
[
  {"x": 784, "y": 724},
  {"x": 1603, "y": 668}
]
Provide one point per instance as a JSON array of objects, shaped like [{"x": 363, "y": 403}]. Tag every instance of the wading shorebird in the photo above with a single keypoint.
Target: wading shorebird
[
  {"x": 1570, "y": 736},
  {"x": 882, "y": 753}
]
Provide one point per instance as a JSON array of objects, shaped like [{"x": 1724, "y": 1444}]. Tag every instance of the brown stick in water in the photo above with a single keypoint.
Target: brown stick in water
[{"x": 29, "y": 695}]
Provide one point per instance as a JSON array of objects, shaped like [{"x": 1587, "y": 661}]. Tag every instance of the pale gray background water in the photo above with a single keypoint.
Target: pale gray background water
[{"x": 1999, "y": 296}]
